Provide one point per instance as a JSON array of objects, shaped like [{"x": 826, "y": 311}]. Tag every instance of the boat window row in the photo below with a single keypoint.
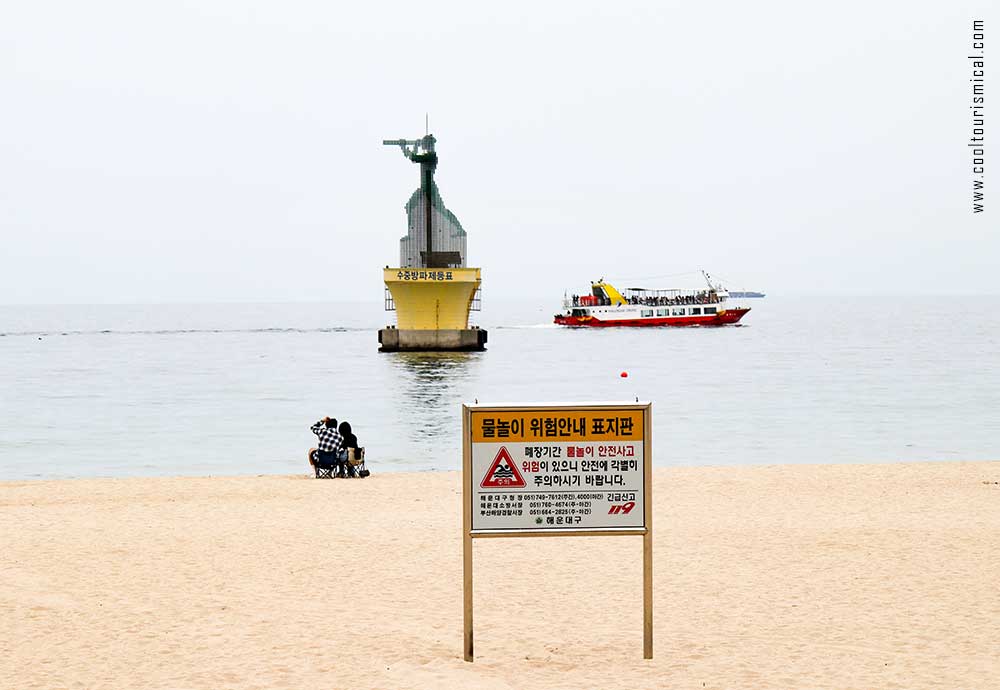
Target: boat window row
[
  {"x": 646, "y": 313},
  {"x": 682, "y": 311}
]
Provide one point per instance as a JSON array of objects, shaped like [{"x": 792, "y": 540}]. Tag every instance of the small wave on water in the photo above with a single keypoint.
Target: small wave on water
[
  {"x": 186, "y": 331},
  {"x": 527, "y": 326}
]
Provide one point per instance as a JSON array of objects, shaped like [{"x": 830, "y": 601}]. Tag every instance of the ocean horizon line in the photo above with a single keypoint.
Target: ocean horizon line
[{"x": 503, "y": 299}]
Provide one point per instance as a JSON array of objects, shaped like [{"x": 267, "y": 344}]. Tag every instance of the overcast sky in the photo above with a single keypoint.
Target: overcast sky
[{"x": 231, "y": 151}]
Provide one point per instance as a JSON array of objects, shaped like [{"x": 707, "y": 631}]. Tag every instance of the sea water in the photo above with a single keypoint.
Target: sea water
[{"x": 98, "y": 391}]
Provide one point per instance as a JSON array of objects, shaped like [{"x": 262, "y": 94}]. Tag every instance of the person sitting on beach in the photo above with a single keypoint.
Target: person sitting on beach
[
  {"x": 330, "y": 443},
  {"x": 348, "y": 445}
]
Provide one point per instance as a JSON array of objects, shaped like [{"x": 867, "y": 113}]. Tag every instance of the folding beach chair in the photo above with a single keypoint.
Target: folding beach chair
[
  {"x": 356, "y": 463},
  {"x": 322, "y": 471}
]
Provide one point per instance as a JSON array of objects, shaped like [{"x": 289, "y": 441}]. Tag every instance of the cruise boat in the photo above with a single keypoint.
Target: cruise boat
[{"x": 608, "y": 306}]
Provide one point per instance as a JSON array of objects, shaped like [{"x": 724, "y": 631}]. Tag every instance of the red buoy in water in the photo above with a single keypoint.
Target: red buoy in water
[{"x": 624, "y": 374}]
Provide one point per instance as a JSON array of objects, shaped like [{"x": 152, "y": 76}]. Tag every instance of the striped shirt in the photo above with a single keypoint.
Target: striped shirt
[{"x": 330, "y": 439}]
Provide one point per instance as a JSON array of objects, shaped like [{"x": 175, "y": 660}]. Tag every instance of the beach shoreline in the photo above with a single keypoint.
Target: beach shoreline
[{"x": 844, "y": 575}]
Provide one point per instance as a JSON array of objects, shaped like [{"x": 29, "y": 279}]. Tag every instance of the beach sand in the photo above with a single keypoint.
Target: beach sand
[{"x": 839, "y": 576}]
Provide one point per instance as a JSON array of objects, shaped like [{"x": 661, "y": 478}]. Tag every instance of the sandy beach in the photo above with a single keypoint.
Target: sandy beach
[{"x": 838, "y": 576}]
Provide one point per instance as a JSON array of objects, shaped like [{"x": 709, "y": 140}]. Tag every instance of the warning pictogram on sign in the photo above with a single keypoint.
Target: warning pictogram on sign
[{"x": 503, "y": 473}]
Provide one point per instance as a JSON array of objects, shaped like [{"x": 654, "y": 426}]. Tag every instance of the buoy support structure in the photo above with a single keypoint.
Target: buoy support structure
[
  {"x": 432, "y": 291},
  {"x": 432, "y": 313}
]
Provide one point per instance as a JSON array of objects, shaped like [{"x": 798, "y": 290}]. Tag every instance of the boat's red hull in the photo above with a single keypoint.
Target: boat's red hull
[{"x": 730, "y": 316}]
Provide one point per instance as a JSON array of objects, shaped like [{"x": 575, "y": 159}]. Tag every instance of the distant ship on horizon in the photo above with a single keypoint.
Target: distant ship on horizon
[{"x": 734, "y": 293}]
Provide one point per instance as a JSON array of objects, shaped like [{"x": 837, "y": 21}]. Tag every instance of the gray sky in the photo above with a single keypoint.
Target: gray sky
[{"x": 219, "y": 151}]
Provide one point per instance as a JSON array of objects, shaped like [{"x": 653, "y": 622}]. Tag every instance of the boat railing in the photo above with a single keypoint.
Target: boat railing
[
  {"x": 586, "y": 301},
  {"x": 667, "y": 298},
  {"x": 648, "y": 298}
]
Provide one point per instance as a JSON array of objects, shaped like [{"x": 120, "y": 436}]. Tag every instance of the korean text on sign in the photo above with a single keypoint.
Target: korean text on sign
[{"x": 583, "y": 425}]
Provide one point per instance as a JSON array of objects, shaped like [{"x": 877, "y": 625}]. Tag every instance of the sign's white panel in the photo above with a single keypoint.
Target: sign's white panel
[{"x": 557, "y": 469}]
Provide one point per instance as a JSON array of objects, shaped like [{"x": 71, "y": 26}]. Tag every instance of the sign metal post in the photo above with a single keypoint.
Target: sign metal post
[{"x": 557, "y": 470}]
